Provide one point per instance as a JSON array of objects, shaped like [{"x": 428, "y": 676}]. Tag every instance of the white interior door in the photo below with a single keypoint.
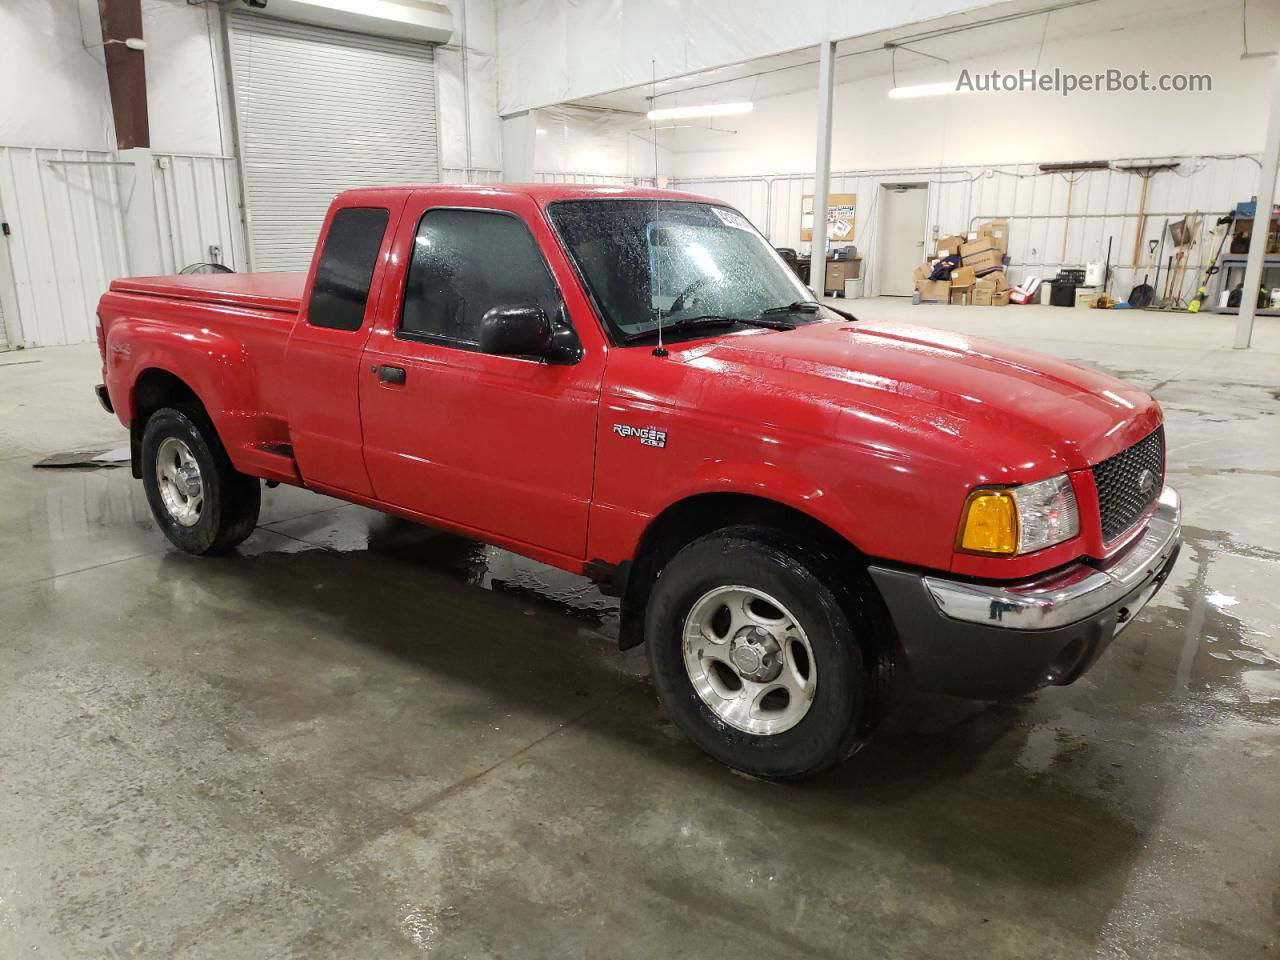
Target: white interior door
[
  {"x": 901, "y": 247},
  {"x": 318, "y": 111}
]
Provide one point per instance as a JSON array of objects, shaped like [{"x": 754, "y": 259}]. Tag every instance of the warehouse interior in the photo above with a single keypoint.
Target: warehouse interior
[{"x": 355, "y": 735}]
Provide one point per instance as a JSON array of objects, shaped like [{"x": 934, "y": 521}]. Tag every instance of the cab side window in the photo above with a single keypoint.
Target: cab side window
[
  {"x": 466, "y": 262},
  {"x": 350, "y": 253}
]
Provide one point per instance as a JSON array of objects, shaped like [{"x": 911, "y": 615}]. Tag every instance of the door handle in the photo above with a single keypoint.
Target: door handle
[{"x": 388, "y": 374}]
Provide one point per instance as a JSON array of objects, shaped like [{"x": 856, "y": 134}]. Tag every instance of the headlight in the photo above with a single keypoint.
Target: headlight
[{"x": 1019, "y": 519}]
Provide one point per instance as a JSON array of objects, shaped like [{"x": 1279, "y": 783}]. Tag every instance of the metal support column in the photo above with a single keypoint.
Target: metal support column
[
  {"x": 518, "y": 131},
  {"x": 1261, "y": 218},
  {"x": 126, "y": 71},
  {"x": 822, "y": 168}
]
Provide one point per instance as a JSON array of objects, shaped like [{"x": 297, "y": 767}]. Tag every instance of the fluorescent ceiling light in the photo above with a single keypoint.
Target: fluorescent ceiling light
[
  {"x": 705, "y": 110},
  {"x": 923, "y": 90}
]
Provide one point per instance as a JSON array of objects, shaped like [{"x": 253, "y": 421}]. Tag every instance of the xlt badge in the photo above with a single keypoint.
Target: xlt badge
[{"x": 649, "y": 436}]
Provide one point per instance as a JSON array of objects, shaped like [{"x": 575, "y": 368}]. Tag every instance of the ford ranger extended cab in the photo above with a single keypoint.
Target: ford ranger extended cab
[{"x": 794, "y": 508}]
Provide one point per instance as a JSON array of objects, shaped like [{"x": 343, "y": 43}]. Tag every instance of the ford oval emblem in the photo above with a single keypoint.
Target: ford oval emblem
[{"x": 1146, "y": 482}]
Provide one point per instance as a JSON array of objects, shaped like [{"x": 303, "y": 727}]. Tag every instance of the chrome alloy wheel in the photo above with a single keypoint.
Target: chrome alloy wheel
[
  {"x": 178, "y": 477},
  {"x": 749, "y": 660}
]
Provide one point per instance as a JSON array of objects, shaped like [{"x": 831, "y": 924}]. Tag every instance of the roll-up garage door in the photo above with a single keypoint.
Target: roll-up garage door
[{"x": 318, "y": 111}]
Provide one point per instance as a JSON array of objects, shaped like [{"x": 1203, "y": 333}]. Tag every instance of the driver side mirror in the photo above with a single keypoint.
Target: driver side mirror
[{"x": 520, "y": 331}]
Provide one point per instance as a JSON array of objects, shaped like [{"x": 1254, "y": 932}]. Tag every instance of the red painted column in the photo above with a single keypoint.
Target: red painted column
[{"x": 126, "y": 72}]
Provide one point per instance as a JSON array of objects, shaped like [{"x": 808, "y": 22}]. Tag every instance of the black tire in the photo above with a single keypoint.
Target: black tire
[
  {"x": 842, "y": 699},
  {"x": 230, "y": 500}
]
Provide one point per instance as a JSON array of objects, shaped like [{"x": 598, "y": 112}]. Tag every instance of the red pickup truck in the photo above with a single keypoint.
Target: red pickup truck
[{"x": 793, "y": 507}]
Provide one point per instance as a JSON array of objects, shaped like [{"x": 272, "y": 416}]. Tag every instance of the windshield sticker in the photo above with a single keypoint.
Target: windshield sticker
[
  {"x": 731, "y": 218},
  {"x": 649, "y": 436}
]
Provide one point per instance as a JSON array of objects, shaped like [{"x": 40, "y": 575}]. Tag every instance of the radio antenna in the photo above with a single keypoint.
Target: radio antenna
[{"x": 659, "y": 350}]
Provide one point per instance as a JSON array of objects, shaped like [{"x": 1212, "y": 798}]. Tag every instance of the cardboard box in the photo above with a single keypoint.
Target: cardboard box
[
  {"x": 963, "y": 276},
  {"x": 922, "y": 272},
  {"x": 960, "y": 296},
  {"x": 971, "y": 248},
  {"x": 985, "y": 262},
  {"x": 999, "y": 278},
  {"x": 981, "y": 296},
  {"x": 987, "y": 287},
  {"x": 949, "y": 245},
  {"x": 938, "y": 291},
  {"x": 1000, "y": 298},
  {"x": 998, "y": 232}
]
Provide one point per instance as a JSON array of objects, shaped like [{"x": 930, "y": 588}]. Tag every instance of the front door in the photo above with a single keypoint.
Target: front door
[{"x": 503, "y": 446}]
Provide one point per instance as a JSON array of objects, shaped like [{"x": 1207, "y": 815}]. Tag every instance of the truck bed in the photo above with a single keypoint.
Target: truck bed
[{"x": 277, "y": 292}]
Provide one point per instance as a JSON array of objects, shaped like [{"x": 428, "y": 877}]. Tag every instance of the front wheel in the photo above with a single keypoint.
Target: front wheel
[
  {"x": 754, "y": 658},
  {"x": 202, "y": 504}
]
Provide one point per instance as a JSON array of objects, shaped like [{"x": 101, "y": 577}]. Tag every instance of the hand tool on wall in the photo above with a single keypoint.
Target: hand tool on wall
[
  {"x": 1221, "y": 231},
  {"x": 1106, "y": 273},
  {"x": 1159, "y": 257},
  {"x": 1144, "y": 293},
  {"x": 1184, "y": 234}
]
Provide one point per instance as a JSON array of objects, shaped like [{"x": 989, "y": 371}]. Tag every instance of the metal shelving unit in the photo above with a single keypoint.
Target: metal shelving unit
[{"x": 1236, "y": 261}]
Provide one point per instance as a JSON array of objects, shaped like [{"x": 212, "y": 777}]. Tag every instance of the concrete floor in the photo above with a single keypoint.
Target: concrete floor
[{"x": 341, "y": 744}]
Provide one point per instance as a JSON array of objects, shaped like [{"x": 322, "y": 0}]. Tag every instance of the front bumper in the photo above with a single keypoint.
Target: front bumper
[{"x": 992, "y": 641}]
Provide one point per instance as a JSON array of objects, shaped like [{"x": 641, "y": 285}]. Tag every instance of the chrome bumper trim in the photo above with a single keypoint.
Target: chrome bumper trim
[{"x": 1071, "y": 594}]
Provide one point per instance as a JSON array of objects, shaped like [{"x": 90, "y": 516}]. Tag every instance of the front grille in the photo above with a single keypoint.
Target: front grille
[{"x": 1121, "y": 497}]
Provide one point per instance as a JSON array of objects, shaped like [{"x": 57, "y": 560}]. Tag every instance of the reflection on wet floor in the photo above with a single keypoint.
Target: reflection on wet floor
[
  {"x": 1213, "y": 627},
  {"x": 476, "y": 564}
]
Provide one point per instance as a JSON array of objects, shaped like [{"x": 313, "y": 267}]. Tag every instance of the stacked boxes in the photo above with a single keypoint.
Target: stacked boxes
[
  {"x": 962, "y": 281},
  {"x": 931, "y": 291},
  {"x": 980, "y": 278},
  {"x": 981, "y": 255},
  {"x": 991, "y": 290}
]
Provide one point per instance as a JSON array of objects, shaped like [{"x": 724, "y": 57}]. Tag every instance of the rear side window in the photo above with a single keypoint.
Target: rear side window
[
  {"x": 466, "y": 262},
  {"x": 346, "y": 267}
]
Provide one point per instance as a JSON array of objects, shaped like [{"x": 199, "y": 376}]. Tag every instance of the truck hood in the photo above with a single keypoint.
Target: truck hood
[{"x": 1020, "y": 406}]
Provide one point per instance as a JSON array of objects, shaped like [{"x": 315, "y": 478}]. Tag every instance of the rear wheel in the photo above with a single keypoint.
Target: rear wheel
[
  {"x": 754, "y": 658},
  {"x": 202, "y": 504}
]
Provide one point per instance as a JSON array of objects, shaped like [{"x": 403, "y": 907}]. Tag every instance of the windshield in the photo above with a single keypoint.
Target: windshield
[{"x": 678, "y": 260}]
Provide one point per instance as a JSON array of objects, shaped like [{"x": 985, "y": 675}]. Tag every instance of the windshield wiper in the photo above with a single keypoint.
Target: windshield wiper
[
  {"x": 807, "y": 306},
  {"x": 708, "y": 320}
]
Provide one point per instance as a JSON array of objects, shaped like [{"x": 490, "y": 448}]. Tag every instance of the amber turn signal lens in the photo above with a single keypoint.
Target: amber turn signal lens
[{"x": 990, "y": 523}]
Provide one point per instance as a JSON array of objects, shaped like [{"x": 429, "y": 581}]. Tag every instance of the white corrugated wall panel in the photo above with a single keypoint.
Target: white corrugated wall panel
[
  {"x": 65, "y": 213},
  {"x": 318, "y": 111},
  {"x": 197, "y": 207},
  {"x": 67, "y": 238}
]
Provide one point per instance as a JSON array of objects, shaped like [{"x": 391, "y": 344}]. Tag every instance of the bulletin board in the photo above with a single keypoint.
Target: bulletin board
[{"x": 840, "y": 217}]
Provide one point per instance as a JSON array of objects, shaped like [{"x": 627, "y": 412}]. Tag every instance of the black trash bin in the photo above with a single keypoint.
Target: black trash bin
[{"x": 1063, "y": 291}]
